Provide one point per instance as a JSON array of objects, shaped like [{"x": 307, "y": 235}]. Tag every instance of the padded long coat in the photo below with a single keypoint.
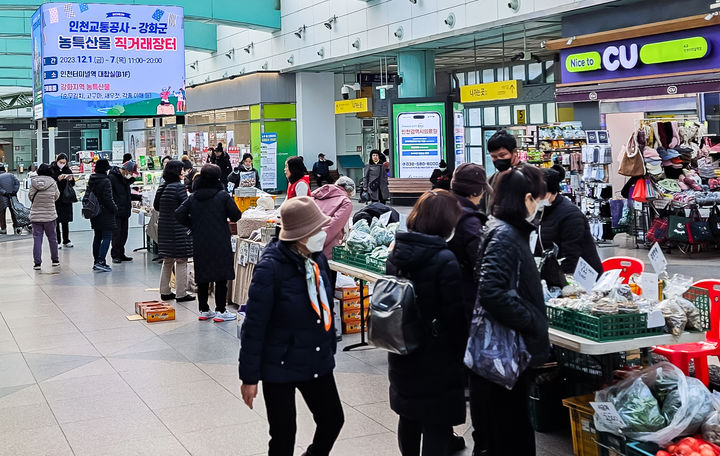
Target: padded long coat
[
  {"x": 206, "y": 213},
  {"x": 174, "y": 241}
]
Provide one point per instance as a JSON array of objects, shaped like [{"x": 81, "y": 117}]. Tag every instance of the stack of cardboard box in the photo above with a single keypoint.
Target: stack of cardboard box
[
  {"x": 350, "y": 307},
  {"x": 153, "y": 311}
]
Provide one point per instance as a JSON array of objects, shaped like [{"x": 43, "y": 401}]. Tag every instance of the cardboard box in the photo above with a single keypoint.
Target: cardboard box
[
  {"x": 350, "y": 292},
  {"x": 140, "y": 304},
  {"x": 160, "y": 314},
  {"x": 351, "y": 327},
  {"x": 354, "y": 304},
  {"x": 353, "y": 315},
  {"x": 144, "y": 311}
]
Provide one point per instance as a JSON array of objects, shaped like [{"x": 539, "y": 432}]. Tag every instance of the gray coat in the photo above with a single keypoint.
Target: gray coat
[
  {"x": 375, "y": 182},
  {"x": 9, "y": 185},
  {"x": 43, "y": 194}
]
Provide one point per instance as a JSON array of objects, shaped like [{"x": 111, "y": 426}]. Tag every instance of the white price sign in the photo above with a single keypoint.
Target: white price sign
[
  {"x": 607, "y": 416},
  {"x": 585, "y": 275},
  {"x": 655, "y": 319},
  {"x": 657, "y": 258},
  {"x": 649, "y": 284}
]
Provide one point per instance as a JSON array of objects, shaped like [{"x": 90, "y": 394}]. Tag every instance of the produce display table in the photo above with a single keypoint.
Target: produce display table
[
  {"x": 590, "y": 347},
  {"x": 364, "y": 276}
]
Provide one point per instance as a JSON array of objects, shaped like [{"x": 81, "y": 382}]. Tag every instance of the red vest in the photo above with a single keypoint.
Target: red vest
[{"x": 291, "y": 189}]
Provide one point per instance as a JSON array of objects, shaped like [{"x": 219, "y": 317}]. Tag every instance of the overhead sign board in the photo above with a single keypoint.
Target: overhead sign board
[
  {"x": 491, "y": 91},
  {"x": 98, "y": 60},
  {"x": 356, "y": 105},
  {"x": 657, "y": 55}
]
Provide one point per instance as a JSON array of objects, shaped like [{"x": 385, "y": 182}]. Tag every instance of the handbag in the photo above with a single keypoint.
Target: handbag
[
  {"x": 68, "y": 195},
  {"x": 640, "y": 191},
  {"x": 395, "y": 323},
  {"x": 677, "y": 228},
  {"x": 714, "y": 221},
  {"x": 550, "y": 270},
  {"x": 658, "y": 231},
  {"x": 698, "y": 230},
  {"x": 631, "y": 160}
]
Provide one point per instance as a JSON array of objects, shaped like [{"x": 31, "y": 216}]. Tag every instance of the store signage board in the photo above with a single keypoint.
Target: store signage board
[
  {"x": 419, "y": 136},
  {"x": 354, "y": 106},
  {"x": 105, "y": 60},
  {"x": 268, "y": 160},
  {"x": 585, "y": 275},
  {"x": 459, "y": 134},
  {"x": 491, "y": 91},
  {"x": 657, "y": 258},
  {"x": 668, "y": 53}
]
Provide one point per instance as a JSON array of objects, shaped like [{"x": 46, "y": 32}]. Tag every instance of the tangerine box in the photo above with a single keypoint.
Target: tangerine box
[
  {"x": 350, "y": 292},
  {"x": 349, "y": 305},
  {"x": 141, "y": 304},
  {"x": 144, "y": 311},
  {"x": 351, "y": 327},
  {"x": 160, "y": 314},
  {"x": 353, "y": 315}
]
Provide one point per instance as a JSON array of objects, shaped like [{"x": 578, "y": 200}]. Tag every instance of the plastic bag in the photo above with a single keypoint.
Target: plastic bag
[
  {"x": 380, "y": 252},
  {"x": 675, "y": 317},
  {"x": 361, "y": 225},
  {"x": 639, "y": 409},
  {"x": 698, "y": 398},
  {"x": 694, "y": 320},
  {"x": 382, "y": 235},
  {"x": 676, "y": 286},
  {"x": 657, "y": 378},
  {"x": 711, "y": 427},
  {"x": 360, "y": 242}
]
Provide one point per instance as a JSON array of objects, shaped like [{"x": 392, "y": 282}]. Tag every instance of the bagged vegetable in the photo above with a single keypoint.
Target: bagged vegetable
[
  {"x": 711, "y": 427},
  {"x": 380, "y": 252},
  {"x": 361, "y": 225},
  {"x": 393, "y": 227},
  {"x": 694, "y": 320},
  {"x": 698, "y": 398},
  {"x": 675, "y": 317},
  {"x": 360, "y": 242},
  {"x": 677, "y": 285},
  {"x": 382, "y": 235},
  {"x": 645, "y": 429}
]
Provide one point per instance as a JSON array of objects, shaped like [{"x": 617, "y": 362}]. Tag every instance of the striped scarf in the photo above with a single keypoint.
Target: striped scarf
[{"x": 317, "y": 293}]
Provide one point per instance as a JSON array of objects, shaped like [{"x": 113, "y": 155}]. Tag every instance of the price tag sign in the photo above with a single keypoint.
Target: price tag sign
[
  {"x": 233, "y": 242},
  {"x": 649, "y": 284},
  {"x": 607, "y": 416},
  {"x": 243, "y": 253},
  {"x": 657, "y": 258},
  {"x": 637, "y": 205},
  {"x": 141, "y": 218},
  {"x": 585, "y": 275},
  {"x": 385, "y": 218},
  {"x": 655, "y": 319}
]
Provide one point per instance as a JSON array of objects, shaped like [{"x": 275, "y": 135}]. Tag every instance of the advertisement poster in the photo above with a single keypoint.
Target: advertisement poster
[
  {"x": 459, "y": 134},
  {"x": 268, "y": 160},
  {"x": 95, "y": 60},
  {"x": 419, "y": 138}
]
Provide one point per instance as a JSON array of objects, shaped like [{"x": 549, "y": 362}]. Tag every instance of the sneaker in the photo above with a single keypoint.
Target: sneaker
[
  {"x": 102, "y": 267},
  {"x": 126, "y": 258},
  {"x": 185, "y": 298},
  {"x": 225, "y": 316},
  {"x": 167, "y": 297},
  {"x": 36, "y": 266},
  {"x": 68, "y": 245},
  {"x": 209, "y": 315},
  {"x": 117, "y": 260},
  {"x": 56, "y": 263},
  {"x": 59, "y": 247}
]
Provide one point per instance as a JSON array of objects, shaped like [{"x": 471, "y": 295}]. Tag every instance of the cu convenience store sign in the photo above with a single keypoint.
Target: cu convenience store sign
[
  {"x": 104, "y": 60},
  {"x": 651, "y": 56}
]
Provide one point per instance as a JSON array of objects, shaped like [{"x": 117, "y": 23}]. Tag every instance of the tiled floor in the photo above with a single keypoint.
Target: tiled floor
[{"x": 76, "y": 377}]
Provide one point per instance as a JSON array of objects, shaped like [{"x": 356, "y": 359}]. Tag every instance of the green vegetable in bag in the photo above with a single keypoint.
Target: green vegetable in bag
[
  {"x": 381, "y": 253},
  {"x": 698, "y": 399},
  {"x": 639, "y": 409},
  {"x": 382, "y": 235},
  {"x": 360, "y": 242},
  {"x": 361, "y": 226}
]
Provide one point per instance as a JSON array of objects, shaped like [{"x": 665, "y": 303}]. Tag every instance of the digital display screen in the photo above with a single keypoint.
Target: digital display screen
[
  {"x": 419, "y": 136},
  {"x": 97, "y": 60}
]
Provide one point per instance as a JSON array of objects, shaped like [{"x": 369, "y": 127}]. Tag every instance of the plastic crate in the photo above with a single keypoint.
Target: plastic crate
[
  {"x": 701, "y": 298},
  {"x": 641, "y": 449},
  {"x": 360, "y": 260},
  {"x": 562, "y": 319},
  {"x": 613, "y": 327},
  {"x": 584, "y": 435}
]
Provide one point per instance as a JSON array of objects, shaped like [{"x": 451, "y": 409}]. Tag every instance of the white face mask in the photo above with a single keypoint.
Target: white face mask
[
  {"x": 542, "y": 204},
  {"x": 442, "y": 169},
  {"x": 531, "y": 216},
  {"x": 316, "y": 242}
]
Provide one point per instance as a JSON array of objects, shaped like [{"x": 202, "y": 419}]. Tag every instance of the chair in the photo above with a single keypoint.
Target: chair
[
  {"x": 628, "y": 266},
  {"x": 681, "y": 354}
]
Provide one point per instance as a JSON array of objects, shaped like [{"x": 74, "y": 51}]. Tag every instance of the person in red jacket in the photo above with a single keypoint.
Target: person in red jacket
[{"x": 297, "y": 176}]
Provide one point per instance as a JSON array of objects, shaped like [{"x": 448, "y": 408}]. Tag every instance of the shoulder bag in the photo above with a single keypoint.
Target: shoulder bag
[
  {"x": 631, "y": 160},
  {"x": 677, "y": 228},
  {"x": 68, "y": 194},
  {"x": 395, "y": 323},
  {"x": 658, "y": 231},
  {"x": 698, "y": 230}
]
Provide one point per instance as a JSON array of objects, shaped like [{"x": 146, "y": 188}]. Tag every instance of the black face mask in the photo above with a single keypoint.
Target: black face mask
[{"x": 502, "y": 164}]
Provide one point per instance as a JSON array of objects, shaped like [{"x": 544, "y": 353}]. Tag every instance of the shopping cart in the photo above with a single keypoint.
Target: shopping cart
[{"x": 20, "y": 215}]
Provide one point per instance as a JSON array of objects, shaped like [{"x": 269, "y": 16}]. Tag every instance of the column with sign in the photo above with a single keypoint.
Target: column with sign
[{"x": 268, "y": 160}]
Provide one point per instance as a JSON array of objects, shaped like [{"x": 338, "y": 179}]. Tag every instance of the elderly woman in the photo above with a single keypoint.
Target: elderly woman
[
  {"x": 288, "y": 338},
  {"x": 334, "y": 201}
]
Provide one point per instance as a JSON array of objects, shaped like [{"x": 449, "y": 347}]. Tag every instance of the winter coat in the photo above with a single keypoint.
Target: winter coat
[
  {"x": 64, "y": 209},
  {"x": 564, "y": 224},
  {"x": 223, "y": 162},
  {"x": 509, "y": 287},
  {"x": 283, "y": 339},
  {"x": 441, "y": 178},
  {"x": 373, "y": 210},
  {"x": 428, "y": 384},
  {"x": 206, "y": 212},
  {"x": 234, "y": 177},
  {"x": 189, "y": 178},
  {"x": 122, "y": 195},
  {"x": 43, "y": 193},
  {"x": 322, "y": 168},
  {"x": 334, "y": 202},
  {"x": 375, "y": 174},
  {"x": 9, "y": 186},
  {"x": 100, "y": 185},
  {"x": 464, "y": 244},
  {"x": 173, "y": 238}
]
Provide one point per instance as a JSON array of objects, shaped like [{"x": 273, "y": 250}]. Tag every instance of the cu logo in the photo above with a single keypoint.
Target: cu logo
[
  {"x": 672, "y": 90},
  {"x": 593, "y": 96}
]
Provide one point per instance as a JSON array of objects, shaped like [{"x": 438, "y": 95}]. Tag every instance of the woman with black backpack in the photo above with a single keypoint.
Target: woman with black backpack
[{"x": 427, "y": 385}]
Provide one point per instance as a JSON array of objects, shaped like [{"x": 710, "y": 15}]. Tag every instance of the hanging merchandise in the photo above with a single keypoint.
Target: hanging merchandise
[
  {"x": 678, "y": 228},
  {"x": 698, "y": 231},
  {"x": 714, "y": 222},
  {"x": 640, "y": 192},
  {"x": 631, "y": 161}
]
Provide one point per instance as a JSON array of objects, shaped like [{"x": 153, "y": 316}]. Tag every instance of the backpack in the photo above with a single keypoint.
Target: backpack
[
  {"x": 90, "y": 205},
  {"x": 394, "y": 323}
]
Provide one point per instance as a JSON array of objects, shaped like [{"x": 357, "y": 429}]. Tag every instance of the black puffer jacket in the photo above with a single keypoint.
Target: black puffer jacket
[
  {"x": 283, "y": 339},
  {"x": 224, "y": 163},
  {"x": 101, "y": 186},
  {"x": 121, "y": 192},
  {"x": 173, "y": 238},
  {"x": 564, "y": 224},
  {"x": 509, "y": 287},
  {"x": 207, "y": 212},
  {"x": 427, "y": 385},
  {"x": 64, "y": 209},
  {"x": 464, "y": 245}
]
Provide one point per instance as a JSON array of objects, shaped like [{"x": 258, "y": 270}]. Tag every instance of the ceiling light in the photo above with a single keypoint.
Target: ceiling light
[
  {"x": 356, "y": 44},
  {"x": 194, "y": 65},
  {"x": 413, "y": 1},
  {"x": 450, "y": 20},
  {"x": 249, "y": 47},
  {"x": 264, "y": 66},
  {"x": 329, "y": 23},
  {"x": 399, "y": 33},
  {"x": 321, "y": 52},
  {"x": 230, "y": 54},
  {"x": 300, "y": 32},
  {"x": 514, "y": 5},
  {"x": 570, "y": 40},
  {"x": 291, "y": 59}
]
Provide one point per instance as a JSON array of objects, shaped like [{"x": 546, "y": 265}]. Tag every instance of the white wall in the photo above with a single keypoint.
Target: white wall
[
  {"x": 315, "y": 94},
  {"x": 372, "y": 22}
]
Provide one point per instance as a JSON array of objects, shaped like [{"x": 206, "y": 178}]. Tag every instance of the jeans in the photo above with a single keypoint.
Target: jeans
[
  {"x": 47, "y": 228},
  {"x": 181, "y": 276},
  {"x": 101, "y": 244},
  {"x": 119, "y": 237},
  {"x": 492, "y": 407},
  {"x": 435, "y": 438},
  {"x": 63, "y": 228},
  {"x": 322, "y": 398},
  {"x": 203, "y": 291}
]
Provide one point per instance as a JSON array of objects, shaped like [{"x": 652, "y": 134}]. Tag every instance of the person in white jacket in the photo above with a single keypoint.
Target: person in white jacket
[{"x": 43, "y": 215}]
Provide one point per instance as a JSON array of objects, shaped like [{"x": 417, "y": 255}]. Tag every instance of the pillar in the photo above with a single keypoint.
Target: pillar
[
  {"x": 315, "y": 111},
  {"x": 417, "y": 69},
  {"x": 159, "y": 151},
  {"x": 180, "y": 141},
  {"x": 39, "y": 149},
  {"x": 51, "y": 143}
]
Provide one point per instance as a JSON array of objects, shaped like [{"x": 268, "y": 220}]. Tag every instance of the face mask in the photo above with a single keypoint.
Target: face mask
[
  {"x": 531, "y": 216},
  {"x": 316, "y": 242},
  {"x": 502, "y": 164},
  {"x": 442, "y": 169},
  {"x": 542, "y": 204},
  {"x": 452, "y": 235}
]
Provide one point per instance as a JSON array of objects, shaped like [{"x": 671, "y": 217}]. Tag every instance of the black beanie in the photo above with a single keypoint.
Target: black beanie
[
  {"x": 102, "y": 166},
  {"x": 553, "y": 177},
  {"x": 469, "y": 179}
]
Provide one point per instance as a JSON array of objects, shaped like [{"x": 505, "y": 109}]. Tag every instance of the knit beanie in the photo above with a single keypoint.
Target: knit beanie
[
  {"x": 102, "y": 166},
  {"x": 469, "y": 179}
]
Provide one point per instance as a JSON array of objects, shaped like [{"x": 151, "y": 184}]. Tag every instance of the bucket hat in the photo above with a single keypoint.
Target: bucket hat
[{"x": 300, "y": 217}]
